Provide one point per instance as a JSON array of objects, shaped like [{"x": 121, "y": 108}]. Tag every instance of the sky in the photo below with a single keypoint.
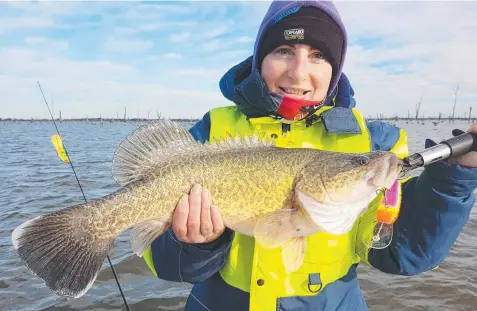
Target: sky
[{"x": 96, "y": 58}]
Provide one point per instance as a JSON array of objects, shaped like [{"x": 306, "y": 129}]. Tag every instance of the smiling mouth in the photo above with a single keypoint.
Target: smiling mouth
[{"x": 293, "y": 91}]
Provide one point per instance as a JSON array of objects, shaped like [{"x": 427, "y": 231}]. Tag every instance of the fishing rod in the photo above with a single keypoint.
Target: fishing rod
[
  {"x": 450, "y": 148},
  {"x": 84, "y": 196}
]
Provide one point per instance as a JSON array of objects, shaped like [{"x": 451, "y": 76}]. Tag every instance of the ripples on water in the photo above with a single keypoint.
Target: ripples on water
[{"x": 33, "y": 181}]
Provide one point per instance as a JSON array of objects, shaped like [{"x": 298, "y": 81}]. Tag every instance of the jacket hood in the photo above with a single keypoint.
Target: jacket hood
[
  {"x": 278, "y": 10},
  {"x": 243, "y": 83}
]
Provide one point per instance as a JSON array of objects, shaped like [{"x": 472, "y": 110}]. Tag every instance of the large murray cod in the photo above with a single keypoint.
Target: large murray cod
[{"x": 277, "y": 195}]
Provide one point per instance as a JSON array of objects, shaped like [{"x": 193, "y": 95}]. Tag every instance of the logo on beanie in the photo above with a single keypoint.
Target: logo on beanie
[{"x": 294, "y": 34}]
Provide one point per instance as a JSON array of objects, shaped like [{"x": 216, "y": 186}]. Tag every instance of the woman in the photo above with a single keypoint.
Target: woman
[{"x": 292, "y": 89}]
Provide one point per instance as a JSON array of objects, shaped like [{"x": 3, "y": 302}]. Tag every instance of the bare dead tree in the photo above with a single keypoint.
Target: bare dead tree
[
  {"x": 456, "y": 90},
  {"x": 52, "y": 107},
  {"x": 418, "y": 107}
]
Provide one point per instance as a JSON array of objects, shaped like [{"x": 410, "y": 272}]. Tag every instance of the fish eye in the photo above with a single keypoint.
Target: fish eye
[{"x": 362, "y": 160}]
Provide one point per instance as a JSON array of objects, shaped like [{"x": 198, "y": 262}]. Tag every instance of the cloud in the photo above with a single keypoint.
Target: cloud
[
  {"x": 179, "y": 37},
  {"x": 245, "y": 39},
  {"x": 213, "y": 45},
  {"x": 121, "y": 31},
  {"x": 121, "y": 45},
  {"x": 42, "y": 64},
  {"x": 45, "y": 43},
  {"x": 9, "y": 24},
  {"x": 215, "y": 31},
  {"x": 173, "y": 56},
  {"x": 420, "y": 49},
  {"x": 105, "y": 98},
  {"x": 204, "y": 74},
  {"x": 156, "y": 11},
  {"x": 35, "y": 40},
  {"x": 159, "y": 58},
  {"x": 39, "y": 8}
]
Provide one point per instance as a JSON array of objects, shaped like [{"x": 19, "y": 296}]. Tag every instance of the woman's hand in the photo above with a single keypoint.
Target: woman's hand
[
  {"x": 470, "y": 158},
  {"x": 195, "y": 219}
]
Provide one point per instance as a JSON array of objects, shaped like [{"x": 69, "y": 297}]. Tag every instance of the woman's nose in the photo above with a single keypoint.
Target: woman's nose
[{"x": 298, "y": 70}]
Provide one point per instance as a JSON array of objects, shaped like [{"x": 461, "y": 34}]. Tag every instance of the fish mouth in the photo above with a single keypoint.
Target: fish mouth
[{"x": 384, "y": 177}]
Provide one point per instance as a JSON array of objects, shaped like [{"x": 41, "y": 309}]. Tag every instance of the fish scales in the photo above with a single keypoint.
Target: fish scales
[{"x": 241, "y": 191}]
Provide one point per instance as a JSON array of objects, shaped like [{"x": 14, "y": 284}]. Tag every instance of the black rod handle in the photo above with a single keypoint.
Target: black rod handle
[
  {"x": 452, "y": 147},
  {"x": 461, "y": 144}
]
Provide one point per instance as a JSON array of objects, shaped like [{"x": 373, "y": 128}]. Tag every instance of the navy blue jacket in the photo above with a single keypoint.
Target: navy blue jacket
[{"x": 435, "y": 207}]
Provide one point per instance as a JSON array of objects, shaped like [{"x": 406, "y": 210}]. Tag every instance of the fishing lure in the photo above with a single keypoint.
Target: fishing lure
[
  {"x": 60, "y": 149},
  {"x": 386, "y": 215}
]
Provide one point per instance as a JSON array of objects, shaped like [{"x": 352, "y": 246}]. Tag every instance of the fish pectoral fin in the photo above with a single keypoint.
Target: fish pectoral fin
[
  {"x": 275, "y": 228},
  {"x": 293, "y": 252},
  {"x": 144, "y": 233}
]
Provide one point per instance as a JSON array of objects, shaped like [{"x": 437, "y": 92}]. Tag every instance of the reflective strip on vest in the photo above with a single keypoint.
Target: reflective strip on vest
[{"x": 260, "y": 271}]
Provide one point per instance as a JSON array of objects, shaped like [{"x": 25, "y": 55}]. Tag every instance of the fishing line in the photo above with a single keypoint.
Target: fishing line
[
  {"x": 84, "y": 197},
  {"x": 180, "y": 275}
]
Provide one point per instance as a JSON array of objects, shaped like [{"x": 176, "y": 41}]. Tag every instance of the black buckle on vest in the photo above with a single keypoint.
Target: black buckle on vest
[
  {"x": 310, "y": 120},
  {"x": 314, "y": 280}
]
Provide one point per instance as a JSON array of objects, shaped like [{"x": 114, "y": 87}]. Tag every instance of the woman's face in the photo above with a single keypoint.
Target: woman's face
[{"x": 298, "y": 71}]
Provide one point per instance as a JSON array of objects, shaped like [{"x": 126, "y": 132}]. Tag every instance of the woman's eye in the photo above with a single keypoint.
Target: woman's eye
[
  {"x": 319, "y": 56},
  {"x": 283, "y": 51}
]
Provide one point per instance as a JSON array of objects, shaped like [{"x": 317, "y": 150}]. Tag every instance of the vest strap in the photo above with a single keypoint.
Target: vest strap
[
  {"x": 314, "y": 282},
  {"x": 340, "y": 120}
]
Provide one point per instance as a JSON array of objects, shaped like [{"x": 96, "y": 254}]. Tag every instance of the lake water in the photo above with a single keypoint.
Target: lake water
[{"x": 33, "y": 181}]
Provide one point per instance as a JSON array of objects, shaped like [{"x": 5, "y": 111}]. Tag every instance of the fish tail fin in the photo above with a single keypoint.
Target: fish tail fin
[{"x": 59, "y": 249}]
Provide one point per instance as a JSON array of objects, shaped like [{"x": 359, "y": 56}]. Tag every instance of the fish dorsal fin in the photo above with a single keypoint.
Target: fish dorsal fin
[
  {"x": 157, "y": 142},
  {"x": 147, "y": 146}
]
